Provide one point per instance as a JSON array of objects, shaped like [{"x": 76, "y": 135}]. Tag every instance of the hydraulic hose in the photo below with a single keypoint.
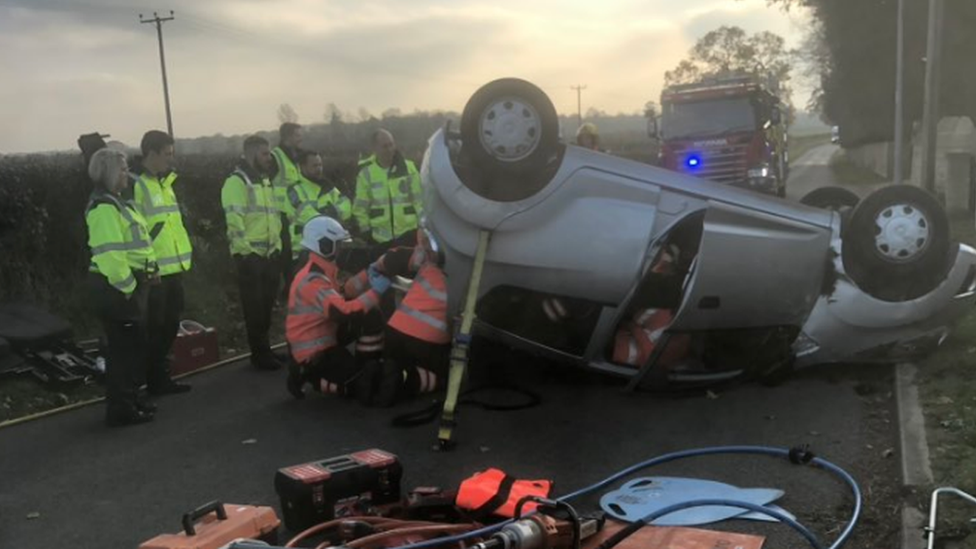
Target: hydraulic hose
[{"x": 793, "y": 456}]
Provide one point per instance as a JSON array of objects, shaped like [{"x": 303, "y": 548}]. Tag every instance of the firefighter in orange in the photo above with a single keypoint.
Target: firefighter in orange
[
  {"x": 417, "y": 345},
  {"x": 320, "y": 318},
  {"x": 637, "y": 338}
]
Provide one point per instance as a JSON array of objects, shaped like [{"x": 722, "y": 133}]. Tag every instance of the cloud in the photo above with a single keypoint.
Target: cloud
[{"x": 89, "y": 64}]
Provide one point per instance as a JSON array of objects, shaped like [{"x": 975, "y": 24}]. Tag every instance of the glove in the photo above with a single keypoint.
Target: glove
[{"x": 378, "y": 282}]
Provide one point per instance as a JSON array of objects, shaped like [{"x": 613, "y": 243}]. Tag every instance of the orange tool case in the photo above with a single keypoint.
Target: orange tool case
[{"x": 216, "y": 525}]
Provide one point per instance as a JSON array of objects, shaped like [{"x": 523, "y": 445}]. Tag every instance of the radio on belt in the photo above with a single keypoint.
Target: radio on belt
[{"x": 312, "y": 492}]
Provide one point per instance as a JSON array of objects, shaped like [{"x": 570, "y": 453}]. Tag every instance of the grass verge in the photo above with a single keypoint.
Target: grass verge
[{"x": 947, "y": 390}]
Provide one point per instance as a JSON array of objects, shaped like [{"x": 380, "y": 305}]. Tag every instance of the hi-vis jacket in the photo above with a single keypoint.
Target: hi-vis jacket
[
  {"x": 288, "y": 174},
  {"x": 306, "y": 200},
  {"x": 253, "y": 220},
  {"x": 156, "y": 201},
  {"x": 388, "y": 202},
  {"x": 315, "y": 308},
  {"x": 422, "y": 313},
  {"x": 119, "y": 241}
]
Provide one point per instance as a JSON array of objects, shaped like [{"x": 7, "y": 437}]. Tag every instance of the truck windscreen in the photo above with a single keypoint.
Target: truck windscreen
[{"x": 705, "y": 118}]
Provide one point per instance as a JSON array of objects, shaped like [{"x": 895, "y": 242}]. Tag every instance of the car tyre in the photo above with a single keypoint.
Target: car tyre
[
  {"x": 831, "y": 198},
  {"x": 510, "y": 126},
  {"x": 897, "y": 244}
]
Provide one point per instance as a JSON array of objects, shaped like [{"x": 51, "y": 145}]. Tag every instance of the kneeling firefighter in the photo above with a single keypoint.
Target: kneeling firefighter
[
  {"x": 417, "y": 344},
  {"x": 320, "y": 319}
]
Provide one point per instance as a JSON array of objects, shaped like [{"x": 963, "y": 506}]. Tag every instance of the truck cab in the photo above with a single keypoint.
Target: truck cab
[{"x": 730, "y": 130}]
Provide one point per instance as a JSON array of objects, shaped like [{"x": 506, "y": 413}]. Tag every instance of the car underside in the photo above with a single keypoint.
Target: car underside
[{"x": 583, "y": 247}]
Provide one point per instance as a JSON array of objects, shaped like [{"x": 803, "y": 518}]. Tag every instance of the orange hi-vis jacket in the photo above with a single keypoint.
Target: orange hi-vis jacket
[
  {"x": 636, "y": 340},
  {"x": 315, "y": 309},
  {"x": 422, "y": 313}
]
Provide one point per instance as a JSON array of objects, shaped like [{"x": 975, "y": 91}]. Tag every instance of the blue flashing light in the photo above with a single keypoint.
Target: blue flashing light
[{"x": 693, "y": 162}]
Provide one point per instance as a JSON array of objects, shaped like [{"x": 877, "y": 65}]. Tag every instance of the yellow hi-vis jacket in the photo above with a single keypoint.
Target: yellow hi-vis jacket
[
  {"x": 288, "y": 175},
  {"x": 156, "y": 201},
  {"x": 253, "y": 220},
  {"x": 388, "y": 201},
  {"x": 119, "y": 241},
  {"x": 306, "y": 200}
]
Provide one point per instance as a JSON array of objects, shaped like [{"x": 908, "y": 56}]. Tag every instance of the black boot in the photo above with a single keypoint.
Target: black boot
[
  {"x": 389, "y": 385},
  {"x": 296, "y": 381},
  {"x": 120, "y": 417}
]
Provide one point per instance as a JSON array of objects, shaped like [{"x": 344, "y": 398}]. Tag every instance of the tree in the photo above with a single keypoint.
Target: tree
[
  {"x": 816, "y": 66},
  {"x": 651, "y": 110},
  {"x": 392, "y": 112},
  {"x": 365, "y": 115},
  {"x": 729, "y": 50},
  {"x": 287, "y": 114},
  {"x": 333, "y": 114}
]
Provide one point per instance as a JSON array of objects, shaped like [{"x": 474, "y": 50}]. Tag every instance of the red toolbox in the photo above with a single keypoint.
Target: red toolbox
[
  {"x": 319, "y": 491},
  {"x": 216, "y": 525},
  {"x": 195, "y": 347}
]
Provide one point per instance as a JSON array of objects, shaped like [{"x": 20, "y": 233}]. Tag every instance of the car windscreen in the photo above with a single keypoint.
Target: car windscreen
[{"x": 710, "y": 117}]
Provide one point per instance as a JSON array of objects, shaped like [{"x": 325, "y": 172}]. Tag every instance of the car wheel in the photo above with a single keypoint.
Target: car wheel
[
  {"x": 896, "y": 246},
  {"x": 831, "y": 198},
  {"x": 510, "y": 125}
]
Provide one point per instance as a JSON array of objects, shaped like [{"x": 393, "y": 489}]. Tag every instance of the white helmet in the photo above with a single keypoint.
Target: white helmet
[{"x": 322, "y": 236}]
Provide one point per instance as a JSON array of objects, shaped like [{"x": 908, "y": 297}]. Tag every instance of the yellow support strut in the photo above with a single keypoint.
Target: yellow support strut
[{"x": 460, "y": 347}]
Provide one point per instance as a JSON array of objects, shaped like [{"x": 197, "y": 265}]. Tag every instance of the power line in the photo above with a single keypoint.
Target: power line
[{"x": 158, "y": 21}]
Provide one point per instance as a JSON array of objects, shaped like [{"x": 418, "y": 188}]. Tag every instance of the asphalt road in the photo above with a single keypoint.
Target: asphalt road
[
  {"x": 100, "y": 488},
  {"x": 68, "y": 482},
  {"x": 811, "y": 171}
]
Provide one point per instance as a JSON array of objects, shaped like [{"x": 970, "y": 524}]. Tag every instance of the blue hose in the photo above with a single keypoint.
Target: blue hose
[{"x": 685, "y": 454}]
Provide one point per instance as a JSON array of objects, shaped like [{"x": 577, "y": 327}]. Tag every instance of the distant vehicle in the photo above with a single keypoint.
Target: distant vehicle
[
  {"x": 835, "y": 135},
  {"x": 759, "y": 284},
  {"x": 731, "y": 130}
]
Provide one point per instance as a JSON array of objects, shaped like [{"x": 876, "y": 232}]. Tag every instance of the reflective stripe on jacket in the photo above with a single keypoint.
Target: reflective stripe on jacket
[
  {"x": 423, "y": 312},
  {"x": 305, "y": 200},
  {"x": 636, "y": 339},
  {"x": 312, "y": 324},
  {"x": 387, "y": 204},
  {"x": 156, "y": 200},
  {"x": 288, "y": 174},
  {"x": 119, "y": 241},
  {"x": 253, "y": 221}
]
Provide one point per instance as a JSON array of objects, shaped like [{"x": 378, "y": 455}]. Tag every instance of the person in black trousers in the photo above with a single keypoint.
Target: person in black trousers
[{"x": 123, "y": 265}]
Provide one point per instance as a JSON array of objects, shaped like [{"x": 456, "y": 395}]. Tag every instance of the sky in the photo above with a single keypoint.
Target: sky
[{"x": 69, "y": 67}]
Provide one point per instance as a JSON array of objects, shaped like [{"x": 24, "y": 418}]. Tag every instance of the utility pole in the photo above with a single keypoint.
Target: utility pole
[
  {"x": 158, "y": 21},
  {"x": 900, "y": 98},
  {"x": 579, "y": 102},
  {"x": 930, "y": 116}
]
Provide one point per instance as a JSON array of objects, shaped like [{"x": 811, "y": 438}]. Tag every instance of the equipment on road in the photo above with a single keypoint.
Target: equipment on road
[
  {"x": 319, "y": 491},
  {"x": 934, "y": 510},
  {"x": 195, "y": 347},
  {"x": 643, "y": 496},
  {"x": 462, "y": 343},
  {"x": 555, "y": 524},
  {"x": 493, "y": 492},
  {"x": 216, "y": 526},
  {"x": 37, "y": 343}
]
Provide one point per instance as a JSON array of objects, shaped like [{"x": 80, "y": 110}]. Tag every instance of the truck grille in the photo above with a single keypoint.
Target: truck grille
[{"x": 723, "y": 163}]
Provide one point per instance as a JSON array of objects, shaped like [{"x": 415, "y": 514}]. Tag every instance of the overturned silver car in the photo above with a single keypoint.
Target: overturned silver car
[{"x": 584, "y": 246}]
